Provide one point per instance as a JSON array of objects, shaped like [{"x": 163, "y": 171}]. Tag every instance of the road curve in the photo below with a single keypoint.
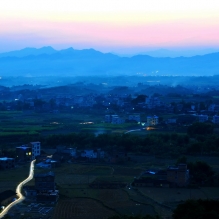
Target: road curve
[
  {"x": 18, "y": 190},
  {"x": 134, "y": 130}
]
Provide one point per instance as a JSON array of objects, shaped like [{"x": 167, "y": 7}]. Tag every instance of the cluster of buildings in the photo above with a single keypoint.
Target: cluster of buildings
[
  {"x": 28, "y": 152},
  {"x": 64, "y": 154},
  {"x": 205, "y": 118},
  {"x": 116, "y": 119},
  {"x": 171, "y": 177},
  {"x": 24, "y": 153}
]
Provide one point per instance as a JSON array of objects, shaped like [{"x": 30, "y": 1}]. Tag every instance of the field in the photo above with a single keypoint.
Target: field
[
  {"x": 73, "y": 183},
  {"x": 19, "y": 125},
  {"x": 79, "y": 200},
  {"x": 9, "y": 179},
  {"x": 81, "y": 209}
]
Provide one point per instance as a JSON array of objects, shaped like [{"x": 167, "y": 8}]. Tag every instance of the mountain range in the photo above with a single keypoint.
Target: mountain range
[{"x": 47, "y": 61}]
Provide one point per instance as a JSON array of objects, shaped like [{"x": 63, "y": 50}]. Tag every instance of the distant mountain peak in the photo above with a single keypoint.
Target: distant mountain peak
[{"x": 29, "y": 51}]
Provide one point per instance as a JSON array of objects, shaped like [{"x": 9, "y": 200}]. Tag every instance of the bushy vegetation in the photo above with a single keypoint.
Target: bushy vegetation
[
  {"x": 156, "y": 143},
  {"x": 201, "y": 209},
  {"x": 200, "y": 140}
]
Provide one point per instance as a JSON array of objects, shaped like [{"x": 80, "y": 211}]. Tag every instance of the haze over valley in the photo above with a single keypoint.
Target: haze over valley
[{"x": 89, "y": 62}]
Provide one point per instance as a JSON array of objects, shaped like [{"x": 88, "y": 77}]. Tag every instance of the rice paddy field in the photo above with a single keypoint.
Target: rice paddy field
[{"x": 73, "y": 183}]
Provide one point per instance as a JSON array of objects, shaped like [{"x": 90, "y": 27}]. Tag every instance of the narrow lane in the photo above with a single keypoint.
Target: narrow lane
[
  {"x": 18, "y": 191},
  {"x": 134, "y": 130}
]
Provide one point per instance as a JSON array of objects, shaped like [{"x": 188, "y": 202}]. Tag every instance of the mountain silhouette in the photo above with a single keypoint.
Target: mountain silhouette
[{"x": 47, "y": 61}]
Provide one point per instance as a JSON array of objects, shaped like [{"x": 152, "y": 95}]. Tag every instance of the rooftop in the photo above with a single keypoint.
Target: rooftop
[
  {"x": 44, "y": 174},
  {"x": 23, "y": 147},
  {"x": 6, "y": 158}
]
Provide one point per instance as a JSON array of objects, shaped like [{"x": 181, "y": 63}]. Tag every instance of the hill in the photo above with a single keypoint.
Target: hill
[{"x": 88, "y": 62}]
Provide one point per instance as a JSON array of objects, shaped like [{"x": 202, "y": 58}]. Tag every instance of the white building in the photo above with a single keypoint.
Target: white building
[
  {"x": 36, "y": 147},
  {"x": 215, "y": 119},
  {"x": 202, "y": 118},
  {"x": 152, "y": 120}
]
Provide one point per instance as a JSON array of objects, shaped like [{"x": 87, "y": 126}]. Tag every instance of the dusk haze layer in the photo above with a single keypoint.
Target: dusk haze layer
[{"x": 132, "y": 26}]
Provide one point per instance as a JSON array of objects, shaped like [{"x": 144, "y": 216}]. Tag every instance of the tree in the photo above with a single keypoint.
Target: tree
[
  {"x": 134, "y": 217},
  {"x": 200, "y": 128},
  {"x": 201, "y": 172},
  {"x": 181, "y": 159},
  {"x": 200, "y": 209}
]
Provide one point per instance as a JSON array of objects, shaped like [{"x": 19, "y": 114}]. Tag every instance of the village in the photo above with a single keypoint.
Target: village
[{"x": 93, "y": 146}]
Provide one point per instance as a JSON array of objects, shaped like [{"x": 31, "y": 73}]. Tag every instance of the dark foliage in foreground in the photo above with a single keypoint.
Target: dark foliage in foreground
[
  {"x": 134, "y": 217},
  {"x": 197, "y": 209}
]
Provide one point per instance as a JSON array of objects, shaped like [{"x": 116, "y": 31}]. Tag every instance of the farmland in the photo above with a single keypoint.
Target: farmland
[
  {"x": 77, "y": 197},
  {"x": 10, "y": 179}
]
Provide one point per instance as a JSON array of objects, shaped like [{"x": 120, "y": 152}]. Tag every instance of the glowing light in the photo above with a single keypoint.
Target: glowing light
[
  {"x": 18, "y": 191},
  {"x": 86, "y": 123}
]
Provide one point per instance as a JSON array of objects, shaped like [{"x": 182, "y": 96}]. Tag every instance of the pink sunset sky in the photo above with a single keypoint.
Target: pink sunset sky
[{"x": 109, "y": 25}]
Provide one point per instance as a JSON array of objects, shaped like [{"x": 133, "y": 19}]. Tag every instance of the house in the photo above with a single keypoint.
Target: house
[
  {"x": 60, "y": 157},
  {"x": 89, "y": 154},
  {"x": 41, "y": 158},
  {"x": 152, "y": 102},
  {"x": 29, "y": 151},
  {"x": 6, "y": 163},
  {"x": 108, "y": 118},
  {"x": 70, "y": 151},
  {"x": 152, "y": 120},
  {"x": 215, "y": 119},
  {"x": 150, "y": 182},
  {"x": 202, "y": 118},
  {"x": 30, "y": 191},
  {"x": 44, "y": 190},
  {"x": 63, "y": 154},
  {"x": 44, "y": 181},
  {"x": 153, "y": 178},
  {"x": 92, "y": 154},
  {"x": 172, "y": 176},
  {"x": 36, "y": 147},
  {"x": 7, "y": 197},
  {"x": 211, "y": 108},
  {"x": 114, "y": 119},
  {"x": 171, "y": 121},
  {"x": 178, "y": 175},
  {"x": 50, "y": 196},
  {"x": 23, "y": 153}
]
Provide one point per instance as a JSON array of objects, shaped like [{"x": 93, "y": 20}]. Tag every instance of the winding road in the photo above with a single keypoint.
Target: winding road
[
  {"x": 133, "y": 130},
  {"x": 18, "y": 191}
]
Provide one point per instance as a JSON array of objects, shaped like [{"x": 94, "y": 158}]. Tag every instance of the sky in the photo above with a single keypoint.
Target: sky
[{"x": 119, "y": 26}]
